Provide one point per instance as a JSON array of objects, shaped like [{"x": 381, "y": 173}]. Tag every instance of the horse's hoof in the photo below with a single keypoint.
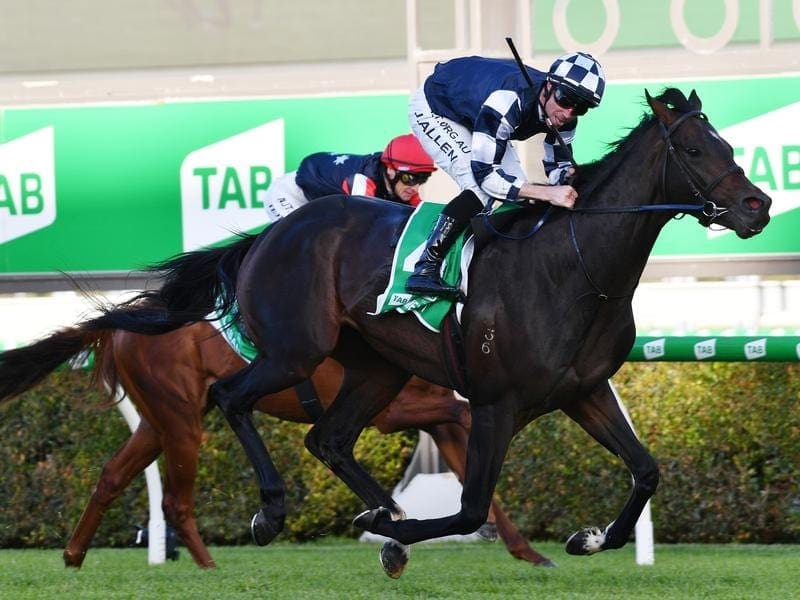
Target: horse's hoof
[
  {"x": 586, "y": 541},
  {"x": 367, "y": 519},
  {"x": 261, "y": 529},
  {"x": 548, "y": 564},
  {"x": 487, "y": 532},
  {"x": 394, "y": 557},
  {"x": 73, "y": 560}
]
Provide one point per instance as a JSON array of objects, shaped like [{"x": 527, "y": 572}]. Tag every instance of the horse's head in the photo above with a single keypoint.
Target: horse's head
[{"x": 699, "y": 164}]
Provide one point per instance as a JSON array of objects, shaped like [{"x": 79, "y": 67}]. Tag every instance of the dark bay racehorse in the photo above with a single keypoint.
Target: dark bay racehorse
[
  {"x": 547, "y": 322},
  {"x": 167, "y": 377}
]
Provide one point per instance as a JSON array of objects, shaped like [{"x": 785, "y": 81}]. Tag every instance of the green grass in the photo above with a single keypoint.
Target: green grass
[{"x": 348, "y": 569}]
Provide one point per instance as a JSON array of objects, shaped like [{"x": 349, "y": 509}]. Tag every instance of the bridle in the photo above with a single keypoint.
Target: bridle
[
  {"x": 707, "y": 208},
  {"x": 709, "y": 211}
]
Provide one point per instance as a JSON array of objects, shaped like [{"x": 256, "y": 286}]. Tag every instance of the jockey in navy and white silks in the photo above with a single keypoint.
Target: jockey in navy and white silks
[
  {"x": 466, "y": 115},
  {"x": 394, "y": 174}
]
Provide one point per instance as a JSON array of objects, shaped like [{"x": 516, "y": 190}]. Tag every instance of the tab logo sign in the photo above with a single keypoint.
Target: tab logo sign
[
  {"x": 705, "y": 349},
  {"x": 27, "y": 184},
  {"x": 654, "y": 349},
  {"x": 768, "y": 149},
  {"x": 755, "y": 349},
  {"x": 223, "y": 185}
]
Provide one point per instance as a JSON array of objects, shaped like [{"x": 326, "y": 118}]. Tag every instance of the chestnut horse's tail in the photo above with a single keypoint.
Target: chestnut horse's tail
[
  {"x": 23, "y": 368},
  {"x": 195, "y": 284}
]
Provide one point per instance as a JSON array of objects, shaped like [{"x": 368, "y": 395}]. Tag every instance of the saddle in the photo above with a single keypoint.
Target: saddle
[{"x": 441, "y": 314}]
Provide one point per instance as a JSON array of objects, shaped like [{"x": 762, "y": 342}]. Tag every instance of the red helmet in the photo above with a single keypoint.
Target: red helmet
[{"x": 405, "y": 153}]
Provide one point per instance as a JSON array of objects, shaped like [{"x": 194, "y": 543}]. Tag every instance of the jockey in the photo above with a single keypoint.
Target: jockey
[
  {"x": 467, "y": 113},
  {"x": 395, "y": 174}
]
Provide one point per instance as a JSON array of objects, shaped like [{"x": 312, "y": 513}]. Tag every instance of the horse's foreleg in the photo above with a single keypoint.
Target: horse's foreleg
[
  {"x": 142, "y": 448},
  {"x": 451, "y": 439},
  {"x": 602, "y": 418},
  {"x": 181, "y": 450},
  {"x": 492, "y": 430}
]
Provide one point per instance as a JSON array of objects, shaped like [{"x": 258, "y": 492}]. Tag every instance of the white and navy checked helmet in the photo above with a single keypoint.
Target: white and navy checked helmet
[{"x": 581, "y": 74}]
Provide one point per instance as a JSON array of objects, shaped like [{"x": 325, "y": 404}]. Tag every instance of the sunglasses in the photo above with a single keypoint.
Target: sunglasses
[
  {"x": 408, "y": 178},
  {"x": 565, "y": 99}
]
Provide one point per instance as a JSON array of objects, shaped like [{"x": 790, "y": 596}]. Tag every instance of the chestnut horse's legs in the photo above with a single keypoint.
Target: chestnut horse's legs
[
  {"x": 181, "y": 453},
  {"x": 142, "y": 448}
]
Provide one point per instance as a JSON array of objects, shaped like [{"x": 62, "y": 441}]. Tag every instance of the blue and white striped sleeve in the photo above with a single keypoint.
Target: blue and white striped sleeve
[
  {"x": 497, "y": 120},
  {"x": 556, "y": 159}
]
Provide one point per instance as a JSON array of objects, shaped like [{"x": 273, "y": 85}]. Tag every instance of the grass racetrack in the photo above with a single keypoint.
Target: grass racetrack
[{"x": 349, "y": 569}]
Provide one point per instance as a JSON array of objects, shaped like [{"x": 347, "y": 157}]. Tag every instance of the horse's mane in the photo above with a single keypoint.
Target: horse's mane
[{"x": 591, "y": 175}]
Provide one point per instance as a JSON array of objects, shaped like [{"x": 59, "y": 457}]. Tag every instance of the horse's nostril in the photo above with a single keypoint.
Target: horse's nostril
[{"x": 754, "y": 203}]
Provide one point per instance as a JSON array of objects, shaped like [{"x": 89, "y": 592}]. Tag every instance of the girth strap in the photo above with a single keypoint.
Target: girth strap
[
  {"x": 453, "y": 352},
  {"x": 309, "y": 399}
]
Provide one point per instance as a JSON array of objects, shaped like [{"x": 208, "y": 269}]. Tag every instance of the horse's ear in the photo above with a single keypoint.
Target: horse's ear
[
  {"x": 694, "y": 100},
  {"x": 661, "y": 110}
]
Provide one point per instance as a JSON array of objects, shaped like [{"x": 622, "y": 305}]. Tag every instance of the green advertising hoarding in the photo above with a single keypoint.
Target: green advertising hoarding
[
  {"x": 115, "y": 187},
  {"x": 109, "y": 187}
]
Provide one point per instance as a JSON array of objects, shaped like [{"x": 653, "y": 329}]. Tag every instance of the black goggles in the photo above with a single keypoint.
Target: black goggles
[
  {"x": 566, "y": 99},
  {"x": 409, "y": 178}
]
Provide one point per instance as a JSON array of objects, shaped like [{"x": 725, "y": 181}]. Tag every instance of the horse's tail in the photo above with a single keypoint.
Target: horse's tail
[
  {"x": 23, "y": 368},
  {"x": 195, "y": 285}
]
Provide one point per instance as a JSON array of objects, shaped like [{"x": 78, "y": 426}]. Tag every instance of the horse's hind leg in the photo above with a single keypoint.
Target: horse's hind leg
[
  {"x": 363, "y": 395},
  {"x": 236, "y": 396},
  {"x": 181, "y": 451},
  {"x": 602, "y": 418},
  {"x": 142, "y": 448}
]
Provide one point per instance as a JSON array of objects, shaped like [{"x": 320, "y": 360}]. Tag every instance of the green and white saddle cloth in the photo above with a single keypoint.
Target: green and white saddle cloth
[
  {"x": 429, "y": 310},
  {"x": 230, "y": 329}
]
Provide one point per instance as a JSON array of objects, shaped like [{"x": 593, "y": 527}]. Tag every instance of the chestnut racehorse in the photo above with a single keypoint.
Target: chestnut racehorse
[{"x": 168, "y": 376}]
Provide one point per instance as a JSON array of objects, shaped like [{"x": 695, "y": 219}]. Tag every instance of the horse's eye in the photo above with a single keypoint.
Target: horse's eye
[{"x": 692, "y": 151}]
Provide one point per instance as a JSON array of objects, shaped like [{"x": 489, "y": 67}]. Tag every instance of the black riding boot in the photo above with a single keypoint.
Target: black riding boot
[{"x": 427, "y": 279}]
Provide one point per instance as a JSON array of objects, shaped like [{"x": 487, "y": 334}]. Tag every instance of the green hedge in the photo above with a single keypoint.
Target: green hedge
[
  {"x": 56, "y": 438},
  {"x": 727, "y": 438}
]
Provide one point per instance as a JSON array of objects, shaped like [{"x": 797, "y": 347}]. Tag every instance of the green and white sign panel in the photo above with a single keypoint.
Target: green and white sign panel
[
  {"x": 716, "y": 349},
  {"x": 116, "y": 187},
  {"x": 222, "y": 184}
]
